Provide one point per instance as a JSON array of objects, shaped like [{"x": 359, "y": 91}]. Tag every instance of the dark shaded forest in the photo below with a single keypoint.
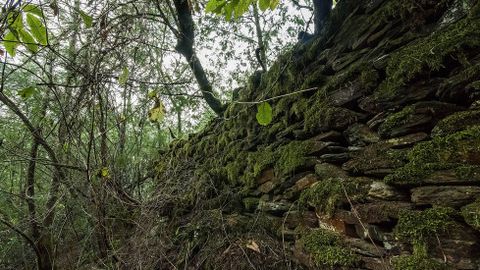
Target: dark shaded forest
[{"x": 222, "y": 134}]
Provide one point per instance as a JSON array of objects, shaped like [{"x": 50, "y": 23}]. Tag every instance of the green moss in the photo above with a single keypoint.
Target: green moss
[
  {"x": 475, "y": 11},
  {"x": 456, "y": 151},
  {"x": 321, "y": 116},
  {"x": 318, "y": 111},
  {"x": 250, "y": 203},
  {"x": 327, "y": 250},
  {"x": 328, "y": 194},
  {"x": 234, "y": 171},
  {"x": 291, "y": 157},
  {"x": 262, "y": 159},
  {"x": 299, "y": 107},
  {"x": 325, "y": 196},
  {"x": 475, "y": 85},
  {"x": 348, "y": 74},
  {"x": 395, "y": 120},
  {"x": 397, "y": 9},
  {"x": 457, "y": 122},
  {"x": 314, "y": 79},
  {"x": 471, "y": 214},
  {"x": 417, "y": 261},
  {"x": 284, "y": 160},
  {"x": 369, "y": 78},
  {"x": 421, "y": 56},
  {"x": 418, "y": 226}
]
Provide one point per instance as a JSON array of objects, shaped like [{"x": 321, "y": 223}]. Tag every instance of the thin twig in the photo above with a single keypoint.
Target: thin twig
[{"x": 277, "y": 97}]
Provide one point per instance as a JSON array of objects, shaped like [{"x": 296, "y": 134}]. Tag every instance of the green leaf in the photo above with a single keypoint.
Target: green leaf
[
  {"x": 15, "y": 21},
  {"x": 27, "y": 92},
  {"x": 11, "y": 43},
  {"x": 228, "y": 10},
  {"x": 37, "y": 29},
  {"x": 274, "y": 4},
  {"x": 215, "y": 6},
  {"x": 123, "y": 78},
  {"x": 105, "y": 172},
  {"x": 157, "y": 113},
  {"x": 28, "y": 40},
  {"x": 263, "y": 4},
  {"x": 152, "y": 94},
  {"x": 87, "y": 19},
  {"x": 34, "y": 9},
  {"x": 264, "y": 114}
]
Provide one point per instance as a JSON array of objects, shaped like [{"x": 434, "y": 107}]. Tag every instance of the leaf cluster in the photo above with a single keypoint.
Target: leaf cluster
[{"x": 236, "y": 8}]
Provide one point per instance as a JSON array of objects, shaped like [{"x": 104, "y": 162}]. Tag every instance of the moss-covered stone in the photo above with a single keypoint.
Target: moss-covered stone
[
  {"x": 291, "y": 157},
  {"x": 419, "y": 57},
  {"x": 418, "y": 261},
  {"x": 331, "y": 193},
  {"x": 457, "y": 152},
  {"x": 456, "y": 122},
  {"x": 376, "y": 158},
  {"x": 418, "y": 226},
  {"x": 327, "y": 250},
  {"x": 471, "y": 214},
  {"x": 396, "y": 119},
  {"x": 320, "y": 116},
  {"x": 421, "y": 116}
]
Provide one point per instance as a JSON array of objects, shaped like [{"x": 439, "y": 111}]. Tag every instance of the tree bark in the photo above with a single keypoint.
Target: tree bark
[
  {"x": 185, "y": 40},
  {"x": 41, "y": 239},
  {"x": 321, "y": 10},
  {"x": 261, "y": 44}
]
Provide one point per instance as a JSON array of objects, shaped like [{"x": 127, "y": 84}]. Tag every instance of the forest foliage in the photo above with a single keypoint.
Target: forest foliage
[{"x": 91, "y": 91}]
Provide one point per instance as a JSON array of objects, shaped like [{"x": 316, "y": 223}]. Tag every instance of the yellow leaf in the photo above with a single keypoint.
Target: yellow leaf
[
  {"x": 157, "y": 113},
  {"x": 152, "y": 94},
  {"x": 105, "y": 172},
  {"x": 253, "y": 246}
]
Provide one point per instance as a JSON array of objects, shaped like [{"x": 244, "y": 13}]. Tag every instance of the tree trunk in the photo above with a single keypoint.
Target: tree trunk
[
  {"x": 321, "y": 9},
  {"x": 41, "y": 239},
  {"x": 184, "y": 46},
  {"x": 261, "y": 45}
]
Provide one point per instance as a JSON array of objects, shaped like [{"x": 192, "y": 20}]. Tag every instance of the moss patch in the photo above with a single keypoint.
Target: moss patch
[
  {"x": 457, "y": 151},
  {"x": 417, "y": 226},
  {"x": 418, "y": 261},
  {"x": 329, "y": 194},
  {"x": 422, "y": 56},
  {"x": 327, "y": 250},
  {"x": 321, "y": 116},
  {"x": 291, "y": 157},
  {"x": 456, "y": 122},
  {"x": 471, "y": 214},
  {"x": 396, "y": 120},
  {"x": 251, "y": 203}
]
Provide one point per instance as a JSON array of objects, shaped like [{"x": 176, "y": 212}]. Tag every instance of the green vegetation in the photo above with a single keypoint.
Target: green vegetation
[
  {"x": 420, "y": 56},
  {"x": 396, "y": 119},
  {"x": 118, "y": 147},
  {"x": 418, "y": 228},
  {"x": 457, "y": 122},
  {"x": 418, "y": 261},
  {"x": 471, "y": 214},
  {"x": 330, "y": 193},
  {"x": 452, "y": 152},
  {"x": 326, "y": 249}
]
